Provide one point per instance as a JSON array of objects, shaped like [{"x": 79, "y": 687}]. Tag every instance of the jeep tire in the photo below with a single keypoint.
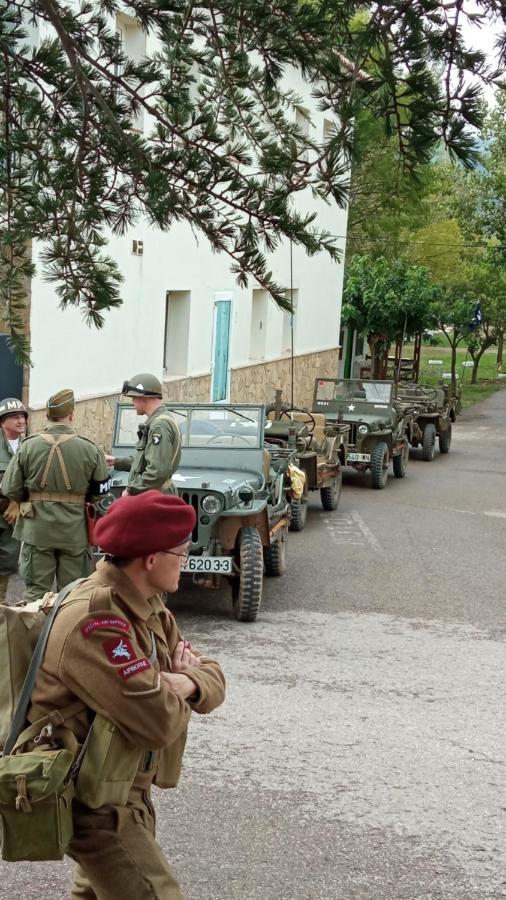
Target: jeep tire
[
  {"x": 299, "y": 514},
  {"x": 275, "y": 555},
  {"x": 379, "y": 466},
  {"x": 329, "y": 496},
  {"x": 400, "y": 462},
  {"x": 445, "y": 439},
  {"x": 429, "y": 442},
  {"x": 247, "y": 587}
]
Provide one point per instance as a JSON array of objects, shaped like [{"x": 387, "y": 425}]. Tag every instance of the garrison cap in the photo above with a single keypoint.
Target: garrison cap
[
  {"x": 143, "y": 385},
  {"x": 10, "y": 406},
  {"x": 60, "y": 404},
  {"x": 140, "y": 524}
]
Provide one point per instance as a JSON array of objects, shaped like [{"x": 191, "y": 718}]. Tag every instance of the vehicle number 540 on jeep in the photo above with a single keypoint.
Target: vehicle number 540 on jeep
[{"x": 221, "y": 564}]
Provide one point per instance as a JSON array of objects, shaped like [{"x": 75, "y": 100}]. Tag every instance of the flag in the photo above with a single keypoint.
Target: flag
[{"x": 477, "y": 318}]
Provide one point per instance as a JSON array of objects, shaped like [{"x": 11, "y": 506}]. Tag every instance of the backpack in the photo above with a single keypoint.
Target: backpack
[
  {"x": 20, "y": 628},
  {"x": 37, "y": 787}
]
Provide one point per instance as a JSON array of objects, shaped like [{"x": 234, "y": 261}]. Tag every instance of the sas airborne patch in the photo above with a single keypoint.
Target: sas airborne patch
[
  {"x": 135, "y": 668},
  {"x": 98, "y": 622},
  {"x": 119, "y": 650}
]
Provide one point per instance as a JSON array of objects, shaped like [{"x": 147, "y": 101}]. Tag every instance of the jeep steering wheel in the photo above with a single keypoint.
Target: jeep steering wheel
[
  {"x": 310, "y": 421},
  {"x": 233, "y": 437}
]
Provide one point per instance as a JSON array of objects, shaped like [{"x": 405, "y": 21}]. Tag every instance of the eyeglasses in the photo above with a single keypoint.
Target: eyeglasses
[{"x": 182, "y": 556}]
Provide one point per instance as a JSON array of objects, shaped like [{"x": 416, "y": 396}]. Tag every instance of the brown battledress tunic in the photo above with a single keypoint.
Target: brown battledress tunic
[{"x": 100, "y": 651}]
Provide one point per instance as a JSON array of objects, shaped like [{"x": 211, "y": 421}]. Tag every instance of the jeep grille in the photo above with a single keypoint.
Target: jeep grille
[
  {"x": 192, "y": 500},
  {"x": 353, "y": 434}
]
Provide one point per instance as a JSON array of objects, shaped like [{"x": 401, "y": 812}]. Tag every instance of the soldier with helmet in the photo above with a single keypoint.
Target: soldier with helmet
[
  {"x": 52, "y": 476},
  {"x": 13, "y": 419},
  {"x": 158, "y": 450}
]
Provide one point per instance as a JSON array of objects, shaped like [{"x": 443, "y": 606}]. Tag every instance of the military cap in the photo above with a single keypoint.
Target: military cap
[
  {"x": 143, "y": 385},
  {"x": 10, "y": 406},
  {"x": 140, "y": 524},
  {"x": 60, "y": 404}
]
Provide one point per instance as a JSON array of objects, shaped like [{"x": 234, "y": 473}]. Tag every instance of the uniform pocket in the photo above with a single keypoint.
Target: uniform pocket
[{"x": 109, "y": 766}]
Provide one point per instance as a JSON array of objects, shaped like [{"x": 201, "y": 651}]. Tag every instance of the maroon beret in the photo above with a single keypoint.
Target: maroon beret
[{"x": 144, "y": 523}]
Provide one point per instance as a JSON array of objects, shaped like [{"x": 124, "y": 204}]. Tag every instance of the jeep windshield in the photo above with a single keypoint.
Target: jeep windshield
[
  {"x": 234, "y": 427},
  {"x": 353, "y": 389}
]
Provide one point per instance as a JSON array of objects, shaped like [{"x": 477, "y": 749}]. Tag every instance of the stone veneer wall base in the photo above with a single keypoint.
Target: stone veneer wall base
[{"x": 256, "y": 383}]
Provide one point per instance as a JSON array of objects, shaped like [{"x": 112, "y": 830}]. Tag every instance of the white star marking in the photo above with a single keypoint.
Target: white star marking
[{"x": 351, "y": 407}]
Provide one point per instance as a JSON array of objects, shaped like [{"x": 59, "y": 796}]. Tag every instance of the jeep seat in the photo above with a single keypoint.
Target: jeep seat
[{"x": 318, "y": 435}]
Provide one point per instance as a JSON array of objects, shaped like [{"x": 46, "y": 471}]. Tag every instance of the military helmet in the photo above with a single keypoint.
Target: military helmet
[
  {"x": 10, "y": 406},
  {"x": 143, "y": 385}
]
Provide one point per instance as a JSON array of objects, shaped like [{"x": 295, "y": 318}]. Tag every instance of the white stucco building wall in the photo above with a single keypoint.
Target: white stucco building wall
[{"x": 176, "y": 268}]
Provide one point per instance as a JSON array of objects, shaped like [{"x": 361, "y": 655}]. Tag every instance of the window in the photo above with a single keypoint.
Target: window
[
  {"x": 258, "y": 327},
  {"x": 133, "y": 45},
  {"x": 177, "y": 328},
  {"x": 289, "y": 323}
]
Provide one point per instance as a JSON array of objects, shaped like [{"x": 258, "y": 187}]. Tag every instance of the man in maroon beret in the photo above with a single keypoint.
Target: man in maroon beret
[{"x": 115, "y": 647}]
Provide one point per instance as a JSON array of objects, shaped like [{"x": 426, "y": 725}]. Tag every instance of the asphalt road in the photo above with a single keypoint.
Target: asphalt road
[{"x": 361, "y": 752}]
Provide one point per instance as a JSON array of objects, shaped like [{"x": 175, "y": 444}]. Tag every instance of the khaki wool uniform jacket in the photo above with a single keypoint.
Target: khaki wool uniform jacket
[
  {"x": 102, "y": 657},
  {"x": 55, "y": 523},
  {"x": 158, "y": 454}
]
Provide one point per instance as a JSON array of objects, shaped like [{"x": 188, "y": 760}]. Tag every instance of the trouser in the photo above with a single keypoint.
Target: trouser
[
  {"x": 40, "y": 566},
  {"x": 9, "y": 559},
  {"x": 117, "y": 856}
]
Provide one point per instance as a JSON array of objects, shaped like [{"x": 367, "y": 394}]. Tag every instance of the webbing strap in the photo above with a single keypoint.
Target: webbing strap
[
  {"x": 55, "y": 450},
  {"x": 19, "y": 717},
  {"x": 57, "y": 497},
  {"x": 55, "y": 718}
]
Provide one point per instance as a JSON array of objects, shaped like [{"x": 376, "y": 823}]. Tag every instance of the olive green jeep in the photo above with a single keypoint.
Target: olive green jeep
[
  {"x": 237, "y": 489},
  {"x": 436, "y": 410},
  {"x": 320, "y": 452},
  {"x": 378, "y": 428}
]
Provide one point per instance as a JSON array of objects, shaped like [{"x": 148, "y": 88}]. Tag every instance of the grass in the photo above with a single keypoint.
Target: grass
[{"x": 487, "y": 383}]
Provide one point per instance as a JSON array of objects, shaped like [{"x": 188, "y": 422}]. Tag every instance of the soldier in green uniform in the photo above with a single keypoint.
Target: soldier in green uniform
[
  {"x": 13, "y": 419},
  {"x": 52, "y": 476},
  {"x": 159, "y": 446}
]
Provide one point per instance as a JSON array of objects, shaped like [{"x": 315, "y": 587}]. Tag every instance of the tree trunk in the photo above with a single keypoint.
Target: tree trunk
[
  {"x": 476, "y": 364},
  {"x": 379, "y": 347},
  {"x": 500, "y": 347},
  {"x": 453, "y": 369}
]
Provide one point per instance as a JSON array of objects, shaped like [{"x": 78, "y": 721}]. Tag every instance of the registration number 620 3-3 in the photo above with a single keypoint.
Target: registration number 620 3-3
[{"x": 219, "y": 564}]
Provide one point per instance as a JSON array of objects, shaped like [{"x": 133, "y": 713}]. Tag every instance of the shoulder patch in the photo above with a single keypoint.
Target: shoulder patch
[
  {"x": 119, "y": 650},
  {"x": 135, "y": 668},
  {"x": 97, "y": 622},
  {"x": 156, "y": 439}
]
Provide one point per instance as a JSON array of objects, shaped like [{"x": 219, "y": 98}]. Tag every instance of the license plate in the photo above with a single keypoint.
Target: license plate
[
  {"x": 358, "y": 457},
  {"x": 221, "y": 565}
]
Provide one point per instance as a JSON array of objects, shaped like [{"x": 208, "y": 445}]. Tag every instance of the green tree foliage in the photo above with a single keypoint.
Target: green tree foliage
[
  {"x": 221, "y": 149},
  {"x": 386, "y": 301},
  {"x": 386, "y": 201}
]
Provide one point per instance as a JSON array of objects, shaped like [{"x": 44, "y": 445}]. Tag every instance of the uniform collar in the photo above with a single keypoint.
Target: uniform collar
[
  {"x": 59, "y": 428},
  {"x": 156, "y": 412},
  {"x": 112, "y": 576}
]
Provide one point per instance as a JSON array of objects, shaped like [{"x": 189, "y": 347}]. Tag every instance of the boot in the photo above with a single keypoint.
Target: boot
[{"x": 4, "y": 584}]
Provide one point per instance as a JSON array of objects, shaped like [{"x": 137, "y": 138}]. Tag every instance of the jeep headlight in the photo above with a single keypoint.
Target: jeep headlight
[
  {"x": 211, "y": 504},
  {"x": 363, "y": 429},
  {"x": 246, "y": 494}
]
